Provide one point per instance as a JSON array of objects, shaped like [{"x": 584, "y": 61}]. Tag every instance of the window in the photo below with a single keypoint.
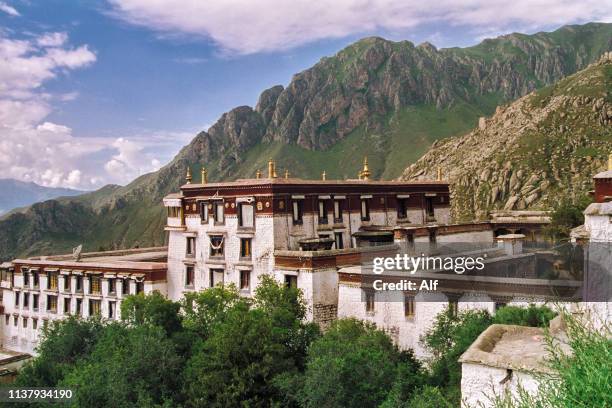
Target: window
[
  {"x": 337, "y": 211},
  {"x": 52, "y": 281},
  {"x": 216, "y": 245},
  {"x": 26, "y": 279},
  {"x": 94, "y": 307},
  {"x": 95, "y": 284},
  {"x": 139, "y": 287},
  {"x": 35, "y": 302},
  {"x": 15, "y": 320},
  {"x": 189, "y": 275},
  {"x": 365, "y": 209},
  {"x": 409, "y": 306},
  {"x": 402, "y": 208},
  {"x": 7, "y": 319},
  {"x": 173, "y": 212},
  {"x": 245, "y": 215},
  {"x": 78, "y": 283},
  {"x": 67, "y": 283},
  {"x": 17, "y": 299},
  {"x": 112, "y": 307},
  {"x": 26, "y": 300},
  {"x": 429, "y": 207},
  {"x": 339, "y": 242},
  {"x": 322, "y": 212},
  {"x": 52, "y": 303},
  {"x": 79, "y": 307},
  {"x": 219, "y": 211},
  {"x": 24, "y": 321},
  {"x": 67, "y": 305},
  {"x": 203, "y": 212},
  {"x": 216, "y": 277},
  {"x": 125, "y": 287},
  {"x": 191, "y": 246},
  {"x": 499, "y": 305},
  {"x": 34, "y": 323},
  {"x": 245, "y": 248},
  {"x": 369, "y": 301},
  {"x": 291, "y": 281},
  {"x": 298, "y": 211},
  {"x": 112, "y": 286},
  {"x": 35, "y": 279},
  {"x": 245, "y": 280}
]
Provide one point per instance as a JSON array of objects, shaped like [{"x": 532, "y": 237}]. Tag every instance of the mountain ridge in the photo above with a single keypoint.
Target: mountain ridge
[
  {"x": 18, "y": 193},
  {"x": 387, "y": 100}
]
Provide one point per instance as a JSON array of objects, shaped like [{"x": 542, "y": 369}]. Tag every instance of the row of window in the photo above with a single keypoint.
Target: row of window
[
  {"x": 216, "y": 210},
  {"x": 217, "y": 246},
  {"x": 52, "y": 305},
  {"x": 95, "y": 308},
  {"x": 409, "y": 305},
  {"x": 216, "y": 277},
  {"x": 95, "y": 283}
]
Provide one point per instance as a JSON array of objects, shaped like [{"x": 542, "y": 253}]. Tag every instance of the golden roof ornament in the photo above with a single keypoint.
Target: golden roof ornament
[
  {"x": 324, "y": 175},
  {"x": 610, "y": 161},
  {"x": 439, "y": 173},
  {"x": 365, "y": 173},
  {"x": 258, "y": 174},
  {"x": 286, "y": 173},
  {"x": 271, "y": 169},
  {"x": 204, "y": 176},
  {"x": 188, "y": 175}
]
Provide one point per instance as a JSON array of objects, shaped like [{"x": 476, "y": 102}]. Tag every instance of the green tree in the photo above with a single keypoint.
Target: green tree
[
  {"x": 534, "y": 316},
  {"x": 128, "y": 367},
  {"x": 203, "y": 309},
  {"x": 236, "y": 364},
  {"x": 62, "y": 344},
  {"x": 354, "y": 364},
  {"x": 154, "y": 309},
  {"x": 567, "y": 214}
]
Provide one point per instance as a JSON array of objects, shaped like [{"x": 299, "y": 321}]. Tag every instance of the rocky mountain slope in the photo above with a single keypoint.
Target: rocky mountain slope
[
  {"x": 532, "y": 153},
  {"x": 388, "y": 100},
  {"x": 17, "y": 193}
]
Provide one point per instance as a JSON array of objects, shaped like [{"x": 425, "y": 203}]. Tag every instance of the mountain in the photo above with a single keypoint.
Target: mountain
[
  {"x": 533, "y": 153},
  {"x": 387, "y": 100},
  {"x": 17, "y": 193}
]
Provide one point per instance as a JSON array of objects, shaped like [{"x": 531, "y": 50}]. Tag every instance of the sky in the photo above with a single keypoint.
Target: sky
[{"x": 99, "y": 92}]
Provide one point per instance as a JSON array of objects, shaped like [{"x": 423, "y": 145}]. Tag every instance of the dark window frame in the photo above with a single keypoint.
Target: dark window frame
[{"x": 366, "y": 216}]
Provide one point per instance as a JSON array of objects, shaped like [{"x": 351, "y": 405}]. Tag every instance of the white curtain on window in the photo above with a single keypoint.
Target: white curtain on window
[{"x": 246, "y": 215}]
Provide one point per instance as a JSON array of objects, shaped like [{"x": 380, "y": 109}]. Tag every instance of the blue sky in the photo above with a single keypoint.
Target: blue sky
[{"x": 96, "y": 92}]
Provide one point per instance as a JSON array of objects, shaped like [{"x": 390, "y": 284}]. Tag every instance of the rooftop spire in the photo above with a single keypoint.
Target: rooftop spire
[
  {"x": 324, "y": 175},
  {"x": 439, "y": 173},
  {"x": 258, "y": 174},
  {"x": 286, "y": 173},
  {"x": 365, "y": 173},
  {"x": 204, "y": 176},
  {"x": 271, "y": 169},
  {"x": 188, "y": 175},
  {"x": 610, "y": 161}
]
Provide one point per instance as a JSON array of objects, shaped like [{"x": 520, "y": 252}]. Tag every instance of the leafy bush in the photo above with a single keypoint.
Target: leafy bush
[
  {"x": 533, "y": 316},
  {"x": 582, "y": 378}
]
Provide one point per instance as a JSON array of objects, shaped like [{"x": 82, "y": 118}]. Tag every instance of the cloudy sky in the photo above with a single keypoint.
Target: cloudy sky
[{"x": 97, "y": 92}]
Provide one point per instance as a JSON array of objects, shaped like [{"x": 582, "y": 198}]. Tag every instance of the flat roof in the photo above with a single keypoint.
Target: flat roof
[
  {"x": 299, "y": 181},
  {"x": 101, "y": 264},
  {"x": 513, "y": 347}
]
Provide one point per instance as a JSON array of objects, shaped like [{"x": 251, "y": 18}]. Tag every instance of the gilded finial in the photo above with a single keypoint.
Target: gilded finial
[
  {"x": 286, "y": 173},
  {"x": 610, "y": 162},
  {"x": 324, "y": 175},
  {"x": 365, "y": 173},
  {"x": 204, "y": 176},
  {"x": 188, "y": 175},
  {"x": 271, "y": 169},
  {"x": 439, "y": 173},
  {"x": 258, "y": 174}
]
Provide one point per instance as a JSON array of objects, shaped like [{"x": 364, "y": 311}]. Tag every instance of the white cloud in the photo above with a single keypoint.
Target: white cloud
[
  {"x": 8, "y": 9},
  {"x": 247, "y": 26},
  {"x": 33, "y": 148}
]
